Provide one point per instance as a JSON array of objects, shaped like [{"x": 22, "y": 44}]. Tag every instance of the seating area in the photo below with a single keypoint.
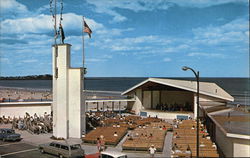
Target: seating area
[
  {"x": 130, "y": 122},
  {"x": 112, "y": 135},
  {"x": 144, "y": 136},
  {"x": 184, "y": 141},
  {"x": 152, "y": 131}
]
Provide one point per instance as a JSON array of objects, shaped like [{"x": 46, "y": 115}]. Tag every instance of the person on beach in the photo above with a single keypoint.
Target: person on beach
[
  {"x": 176, "y": 135},
  {"x": 102, "y": 142},
  {"x": 152, "y": 151},
  {"x": 175, "y": 149},
  {"x": 115, "y": 134},
  {"x": 98, "y": 142},
  {"x": 188, "y": 151},
  {"x": 83, "y": 134},
  {"x": 150, "y": 136}
]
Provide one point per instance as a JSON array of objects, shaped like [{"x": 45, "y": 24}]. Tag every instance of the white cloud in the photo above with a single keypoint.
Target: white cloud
[
  {"x": 10, "y": 6},
  {"x": 211, "y": 55},
  {"x": 235, "y": 31},
  {"x": 204, "y": 3},
  {"x": 109, "y": 6},
  {"x": 128, "y": 44},
  {"x": 167, "y": 59},
  {"x": 90, "y": 60},
  {"x": 37, "y": 24},
  {"x": 113, "y": 32},
  {"x": 100, "y": 58},
  {"x": 43, "y": 23}
]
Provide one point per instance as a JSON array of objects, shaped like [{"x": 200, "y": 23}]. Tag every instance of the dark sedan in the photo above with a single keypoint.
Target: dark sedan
[{"x": 7, "y": 134}]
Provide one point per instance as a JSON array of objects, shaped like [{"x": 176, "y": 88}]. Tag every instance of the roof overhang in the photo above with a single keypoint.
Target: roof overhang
[
  {"x": 232, "y": 135},
  {"x": 177, "y": 86}
]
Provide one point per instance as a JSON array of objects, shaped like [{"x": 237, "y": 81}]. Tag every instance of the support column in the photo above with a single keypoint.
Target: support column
[
  {"x": 195, "y": 106},
  {"x": 142, "y": 98},
  {"x": 160, "y": 98},
  {"x": 113, "y": 105},
  {"x": 151, "y": 99},
  {"x": 119, "y": 107}
]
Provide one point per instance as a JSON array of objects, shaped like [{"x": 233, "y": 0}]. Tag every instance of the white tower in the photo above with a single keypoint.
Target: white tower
[{"x": 68, "y": 108}]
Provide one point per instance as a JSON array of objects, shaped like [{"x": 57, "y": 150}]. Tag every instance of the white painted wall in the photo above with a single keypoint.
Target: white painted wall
[
  {"x": 165, "y": 115},
  {"x": 241, "y": 148},
  {"x": 75, "y": 101},
  {"x": 225, "y": 144},
  {"x": 60, "y": 92},
  {"x": 137, "y": 105},
  {"x": 67, "y": 96},
  {"x": 232, "y": 147}
]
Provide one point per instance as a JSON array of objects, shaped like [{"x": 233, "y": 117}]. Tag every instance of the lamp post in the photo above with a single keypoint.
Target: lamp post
[{"x": 185, "y": 68}]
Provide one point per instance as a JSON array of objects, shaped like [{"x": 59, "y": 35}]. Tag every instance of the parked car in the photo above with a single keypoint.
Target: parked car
[
  {"x": 62, "y": 149},
  {"x": 107, "y": 154},
  {"x": 7, "y": 134},
  {"x": 112, "y": 154}
]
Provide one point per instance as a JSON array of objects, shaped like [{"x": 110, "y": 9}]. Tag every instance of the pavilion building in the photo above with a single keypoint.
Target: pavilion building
[{"x": 170, "y": 98}]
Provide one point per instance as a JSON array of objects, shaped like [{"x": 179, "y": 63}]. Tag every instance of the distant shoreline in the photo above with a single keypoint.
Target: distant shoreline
[
  {"x": 40, "y": 90},
  {"x": 49, "y": 77}
]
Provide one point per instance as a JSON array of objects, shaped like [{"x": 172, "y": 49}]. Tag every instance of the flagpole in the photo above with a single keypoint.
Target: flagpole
[
  {"x": 83, "y": 54},
  {"x": 55, "y": 24},
  {"x": 83, "y": 78},
  {"x": 55, "y": 44}
]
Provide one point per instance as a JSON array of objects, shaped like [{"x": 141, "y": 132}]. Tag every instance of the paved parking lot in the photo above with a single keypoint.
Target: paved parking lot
[
  {"x": 28, "y": 146},
  {"x": 20, "y": 150}
]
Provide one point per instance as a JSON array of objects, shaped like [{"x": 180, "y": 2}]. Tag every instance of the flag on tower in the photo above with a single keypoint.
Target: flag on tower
[
  {"x": 87, "y": 29},
  {"x": 61, "y": 33}
]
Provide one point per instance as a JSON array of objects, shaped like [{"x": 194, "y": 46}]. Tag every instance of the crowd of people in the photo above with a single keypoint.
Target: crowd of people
[
  {"x": 34, "y": 124},
  {"x": 184, "y": 135},
  {"x": 96, "y": 119},
  {"x": 174, "y": 107}
]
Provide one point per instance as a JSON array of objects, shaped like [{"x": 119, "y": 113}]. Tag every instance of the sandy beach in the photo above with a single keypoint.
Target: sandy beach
[
  {"x": 8, "y": 94},
  {"x": 15, "y": 94}
]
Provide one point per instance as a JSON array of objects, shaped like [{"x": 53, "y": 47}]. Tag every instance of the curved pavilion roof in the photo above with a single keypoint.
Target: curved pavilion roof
[{"x": 206, "y": 88}]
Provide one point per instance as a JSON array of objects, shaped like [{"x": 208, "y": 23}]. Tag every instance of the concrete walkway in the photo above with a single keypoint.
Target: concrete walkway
[{"x": 167, "y": 145}]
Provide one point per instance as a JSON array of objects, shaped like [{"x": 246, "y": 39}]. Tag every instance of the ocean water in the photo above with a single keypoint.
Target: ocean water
[{"x": 239, "y": 88}]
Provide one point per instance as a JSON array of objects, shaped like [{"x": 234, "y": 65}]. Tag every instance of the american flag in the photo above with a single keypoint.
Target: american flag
[{"x": 87, "y": 29}]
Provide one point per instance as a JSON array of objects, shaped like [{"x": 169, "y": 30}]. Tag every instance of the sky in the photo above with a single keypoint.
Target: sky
[{"x": 130, "y": 38}]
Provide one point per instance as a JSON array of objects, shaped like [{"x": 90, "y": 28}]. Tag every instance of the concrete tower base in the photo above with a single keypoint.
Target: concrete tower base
[{"x": 68, "y": 108}]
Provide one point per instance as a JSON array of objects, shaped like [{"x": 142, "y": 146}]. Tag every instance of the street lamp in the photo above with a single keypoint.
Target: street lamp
[{"x": 185, "y": 68}]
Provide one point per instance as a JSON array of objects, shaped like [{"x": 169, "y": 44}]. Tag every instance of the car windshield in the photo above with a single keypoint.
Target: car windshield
[
  {"x": 75, "y": 146},
  {"x": 10, "y": 131}
]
